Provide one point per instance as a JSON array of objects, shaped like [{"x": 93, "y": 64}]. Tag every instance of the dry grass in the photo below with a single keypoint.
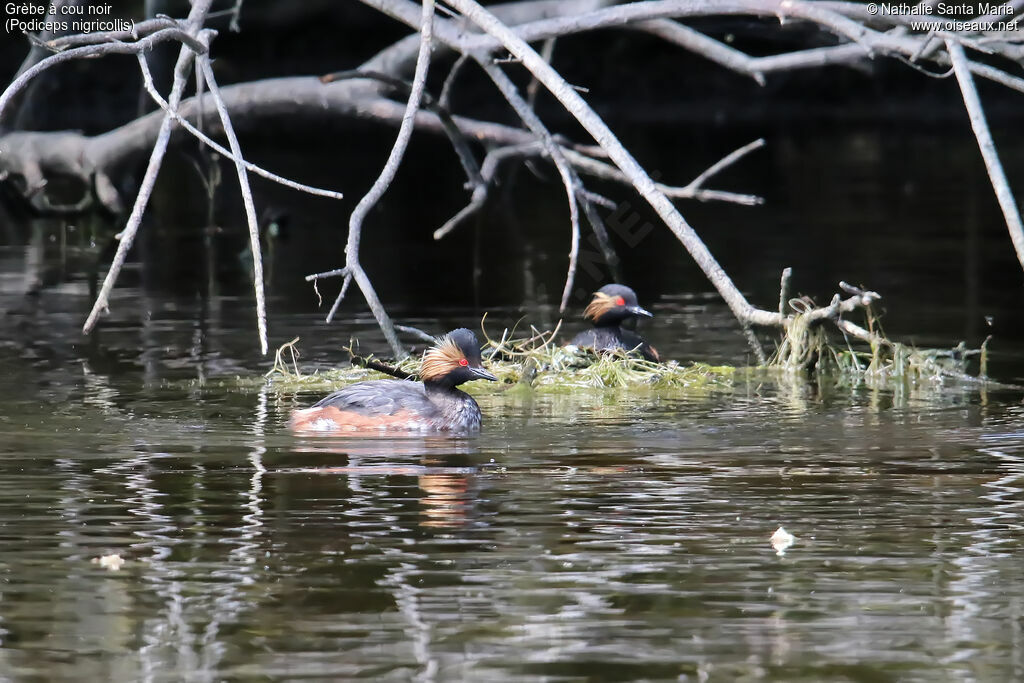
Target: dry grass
[
  {"x": 882, "y": 361},
  {"x": 537, "y": 362}
]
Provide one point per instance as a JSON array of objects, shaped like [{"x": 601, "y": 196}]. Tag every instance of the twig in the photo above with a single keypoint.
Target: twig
[
  {"x": 724, "y": 163},
  {"x": 488, "y": 170},
  {"x": 569, "y": 178},
  {"x": 988, "y": 148},
  {"x": 416, "y": 332},
  {"x": 379, "y": 366},
  {"x": 147, "y": 80},
  {"x": 250, "y": 208},
  {"x": 547, "y": 53},
  {"x": 236, "y": 13},
  {"x": 327, "y": 273},
  {"x": 185, "y": 58},
  {"x": 695, "y": 41},
  {"x": 188, "y": 43},
  {"x": 599, "y": 169},
  {"x": 445, "y": 98},
  {"x": 838, "y": 306},
  {"x": 383, "y": 181},
  {"x": 341, "y": 295}
]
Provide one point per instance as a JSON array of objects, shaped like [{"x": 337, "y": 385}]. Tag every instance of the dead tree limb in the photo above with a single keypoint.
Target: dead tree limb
[
  {"x": 185, "y": 57},
  {"x": 141, "y": 45},
  {"x": 581, "y": 111},
  {"x": 354, "y": 269},
  {"x": 503, "y": 27},
  {"x": 250, "y": 206},
  {"x": 569, "y": 178},
  {"x": 972, "y": 102}
]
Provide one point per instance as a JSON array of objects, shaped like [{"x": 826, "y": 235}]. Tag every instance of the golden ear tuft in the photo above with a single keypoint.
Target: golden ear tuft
[
  {"x": 598, "y": 306},
  {"x": 441, "y": 359}
]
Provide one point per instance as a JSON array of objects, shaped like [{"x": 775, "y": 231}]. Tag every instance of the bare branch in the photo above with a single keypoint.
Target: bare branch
[
  {"x": 250, "y": 207},
  {"x": 488, "y": 169},
  {"x": 691, "y": 190},
  {"x": 327, "y": 273},
  {"x": 147, "y": 80},
  {"x": 569, "y": 178},
  {"x": 139, "y": 30},
  {"x": 988, "y": 148},
  {"x": 724, "y": 163},
  {"x": 184, "y": 63},
  {"x": 581, "y": 111},
  {"x": 147, "y": 43},
  {"x": 383, "y": 181}
]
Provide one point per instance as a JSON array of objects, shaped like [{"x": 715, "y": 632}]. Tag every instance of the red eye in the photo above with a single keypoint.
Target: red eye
[
  {"x": 619, "y": 301},
  {"x": 463, "y": 362}
]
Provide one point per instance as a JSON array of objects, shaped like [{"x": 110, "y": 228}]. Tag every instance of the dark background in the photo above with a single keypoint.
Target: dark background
[{"x": 870, "y": 175}]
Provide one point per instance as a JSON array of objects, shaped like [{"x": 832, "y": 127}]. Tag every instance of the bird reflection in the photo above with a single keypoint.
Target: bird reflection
[
  {"x": 447, "y": 499},
  {"x": 444, "y": 473}
]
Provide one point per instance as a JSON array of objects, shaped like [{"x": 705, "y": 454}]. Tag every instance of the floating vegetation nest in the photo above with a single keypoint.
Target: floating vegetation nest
[{"x": 536, "y": 361}]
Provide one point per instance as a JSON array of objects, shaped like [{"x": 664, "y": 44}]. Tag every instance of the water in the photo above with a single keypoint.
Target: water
[
  {"x": 585, "y": 537},
  {"x": 578, "y": 538}
]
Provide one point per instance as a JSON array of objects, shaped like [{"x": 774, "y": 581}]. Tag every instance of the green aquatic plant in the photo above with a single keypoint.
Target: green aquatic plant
[
  {"x": 534, "y": 362},
  {"x": 865, "y": 355}
]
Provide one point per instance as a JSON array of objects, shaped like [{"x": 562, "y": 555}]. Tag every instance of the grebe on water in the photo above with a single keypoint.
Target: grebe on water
[
  {"x": 433, "y": 405},
  {"x": 611, "y": 305}
]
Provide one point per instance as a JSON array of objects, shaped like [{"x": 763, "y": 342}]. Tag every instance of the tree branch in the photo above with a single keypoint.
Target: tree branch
[
  {"x": 184, "y": 63},
  {"x": 383, "y": 181},
  {"x": 569, "y": 178},
  {"x": 147, "y": 80},
  {"x": 188, "y": 42},
  {"x": 250, "y": 207},
  {"x": 972, "y": 102}
]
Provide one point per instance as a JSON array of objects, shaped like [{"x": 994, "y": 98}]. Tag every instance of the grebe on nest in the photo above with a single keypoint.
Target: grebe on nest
[
  {"x": 610, "y": 307},
  {"x": 433, "y": 405}
]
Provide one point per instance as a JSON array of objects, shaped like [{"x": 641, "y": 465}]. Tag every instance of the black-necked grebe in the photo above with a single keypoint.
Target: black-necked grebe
[
  {"x": 610, "y": 307},
  {"x": 433, "y": 405}
]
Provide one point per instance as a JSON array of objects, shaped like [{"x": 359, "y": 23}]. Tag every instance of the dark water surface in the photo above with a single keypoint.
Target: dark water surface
[
  {"x": 595, "y": 537},
  {"x": 599, "y": 536}
]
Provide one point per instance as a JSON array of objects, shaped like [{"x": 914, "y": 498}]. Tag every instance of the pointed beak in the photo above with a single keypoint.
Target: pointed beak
[
  {"x": 636, "y": 310},
  {"x": 480, "y": 373}
]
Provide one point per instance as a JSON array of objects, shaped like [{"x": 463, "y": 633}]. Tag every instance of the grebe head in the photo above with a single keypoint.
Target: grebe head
[
  {"x": 454, "y": 359},
  {"x": 612, "y": 304}
]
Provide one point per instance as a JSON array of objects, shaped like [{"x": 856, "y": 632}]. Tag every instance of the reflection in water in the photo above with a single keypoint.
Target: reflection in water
[
  {"x": 594, "y": 536},
  {"x": 592, "y": 544},
  {"x": 994, "y": 539},
  {"x": 444, "y": 482},
  {"x": 446, "y": 499}
]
